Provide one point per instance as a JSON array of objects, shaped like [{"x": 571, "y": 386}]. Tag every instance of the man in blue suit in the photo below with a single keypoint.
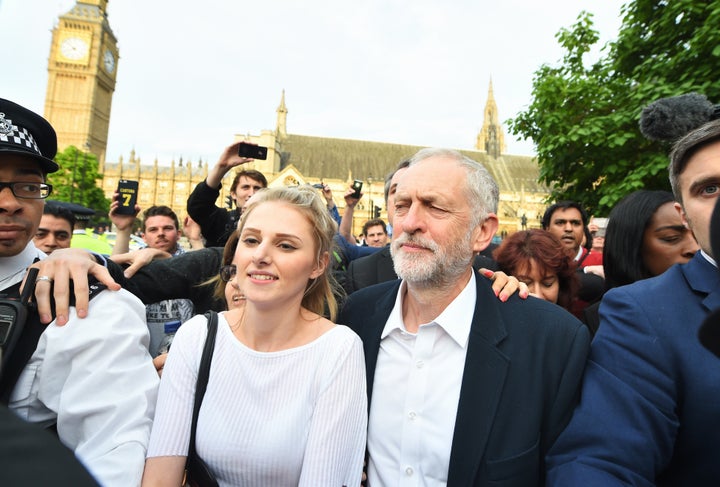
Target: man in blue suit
[
  {"x": 650, "y": 409},
  {"x": 465, "y": 390}
]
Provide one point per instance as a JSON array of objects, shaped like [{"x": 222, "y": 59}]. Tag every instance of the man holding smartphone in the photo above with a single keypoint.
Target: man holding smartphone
[{"x": 217, "y": 224}]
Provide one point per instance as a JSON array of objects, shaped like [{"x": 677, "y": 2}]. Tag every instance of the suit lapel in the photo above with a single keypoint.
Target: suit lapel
[
  {"x": 482, "y": 385},
  {"x": 372, "y": 328}
]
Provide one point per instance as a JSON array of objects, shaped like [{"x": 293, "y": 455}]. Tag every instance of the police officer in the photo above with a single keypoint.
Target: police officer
[{"x": 92, "y": 380}]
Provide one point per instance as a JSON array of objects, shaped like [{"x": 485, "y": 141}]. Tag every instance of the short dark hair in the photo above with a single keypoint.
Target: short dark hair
[
  {"x": 623, "y": 249},
  {"x": 388, "y": 179},
  {"x": 564, "y": 205},
  {"x": 60, "y": 212},
  {"x": 373, "y": 223},
  {"x": 160, "y": 210},
  {"x": 249, "y": 173},
  {"x": 548, "y": 253},
  {"x": 688, "y": 146}
]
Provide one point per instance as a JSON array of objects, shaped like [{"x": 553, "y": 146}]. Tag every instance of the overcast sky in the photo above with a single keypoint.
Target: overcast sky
[{"x": 192, "y": 74}]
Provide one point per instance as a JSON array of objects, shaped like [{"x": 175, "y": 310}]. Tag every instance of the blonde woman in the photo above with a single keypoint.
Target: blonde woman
[{"x": 286, "y": 402}]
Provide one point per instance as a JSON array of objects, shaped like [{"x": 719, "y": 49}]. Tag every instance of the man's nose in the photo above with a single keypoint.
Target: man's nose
[
  {"x": 690, "y": 247},
  {"x": 8, "y": 202}
]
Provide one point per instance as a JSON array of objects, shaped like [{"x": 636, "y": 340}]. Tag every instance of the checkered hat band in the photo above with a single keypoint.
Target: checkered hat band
[{"x": 21, "y": 137}]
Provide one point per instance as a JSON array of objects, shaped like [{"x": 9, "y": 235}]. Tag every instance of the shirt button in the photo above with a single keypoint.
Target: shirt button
[
  {"x": 419, "y": 364},
  {"x": 409, "y": 471},
  {"x": 412, "y": 415}
]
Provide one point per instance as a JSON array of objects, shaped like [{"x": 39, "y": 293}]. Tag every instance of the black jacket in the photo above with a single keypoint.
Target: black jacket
[{"x": 216, "y": 224}]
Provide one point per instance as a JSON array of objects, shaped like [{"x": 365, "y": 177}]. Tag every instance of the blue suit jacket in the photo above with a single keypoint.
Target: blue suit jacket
[
  {"x": 650, "y": 409},
  {"x": 521, "y": 381}
]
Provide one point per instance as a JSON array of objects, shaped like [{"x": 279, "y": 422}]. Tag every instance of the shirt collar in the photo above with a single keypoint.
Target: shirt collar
[
  {"x": 708, "y": 258},
  {"x": 579, "y": 253},
  {"x": 12, "y": 269},
  {"x": 455, "y": 319}
]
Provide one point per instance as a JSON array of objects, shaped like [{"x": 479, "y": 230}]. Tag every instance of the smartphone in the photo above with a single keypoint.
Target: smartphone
[
  {"x": 252, "y": 151},
  {"x": 357, "y": 186},
  {"x": 127, "y": 196}
]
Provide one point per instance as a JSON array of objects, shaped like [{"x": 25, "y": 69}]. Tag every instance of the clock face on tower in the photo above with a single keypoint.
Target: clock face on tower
[
  {"x": 74, "y": 48},
  {"x": 109, "y": 61}
]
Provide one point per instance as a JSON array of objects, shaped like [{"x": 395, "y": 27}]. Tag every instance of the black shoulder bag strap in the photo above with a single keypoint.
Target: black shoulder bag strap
[{"x": 194, "y": 462}]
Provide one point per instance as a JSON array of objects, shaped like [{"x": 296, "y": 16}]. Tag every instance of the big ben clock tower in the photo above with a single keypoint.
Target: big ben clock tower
[{"x": 82, "y": 70}]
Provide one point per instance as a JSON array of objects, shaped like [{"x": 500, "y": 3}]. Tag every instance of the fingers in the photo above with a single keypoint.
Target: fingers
[
  {"x": 523, "y": 291},
  {"x": 42, "y": 297},
  {"x": 505, "y": 286},
  {"x": 159, "y": 363},
  {"x": 103, "y": 276},
  {"x": 133, "y": 268},
  {"x": 60, "y": 292},
  {"x": 55, "y": 273}
]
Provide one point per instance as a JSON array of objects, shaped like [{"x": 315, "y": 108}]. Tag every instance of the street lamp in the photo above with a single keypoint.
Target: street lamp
[{"x": 371, "y": 204}]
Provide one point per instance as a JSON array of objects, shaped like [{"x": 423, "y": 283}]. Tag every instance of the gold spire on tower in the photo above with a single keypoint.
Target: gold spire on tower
[
  {"x": 491, "y": 138},
  {"x": 282, "y": 112}
]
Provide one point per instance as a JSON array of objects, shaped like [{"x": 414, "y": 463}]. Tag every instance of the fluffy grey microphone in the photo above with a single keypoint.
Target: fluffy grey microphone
[{"x": 671, "y": 118}]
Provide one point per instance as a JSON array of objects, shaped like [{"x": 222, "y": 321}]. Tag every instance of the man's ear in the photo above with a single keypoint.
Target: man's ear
[
  {"x": 484, "y": 233},
  {"x": 683, "y": 216}
]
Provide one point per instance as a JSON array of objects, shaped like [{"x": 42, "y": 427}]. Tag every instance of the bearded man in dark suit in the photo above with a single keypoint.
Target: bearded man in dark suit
[{"x": 464, "y": 389}]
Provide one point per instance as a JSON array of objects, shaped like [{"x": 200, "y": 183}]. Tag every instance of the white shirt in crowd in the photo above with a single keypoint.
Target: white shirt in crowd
[
  {"x": 415, "y": 395},
  {"x": 295, "y": 417}
]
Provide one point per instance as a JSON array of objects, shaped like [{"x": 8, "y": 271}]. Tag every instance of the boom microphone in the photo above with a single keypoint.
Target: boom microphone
[{"x": 671, "y": 118}]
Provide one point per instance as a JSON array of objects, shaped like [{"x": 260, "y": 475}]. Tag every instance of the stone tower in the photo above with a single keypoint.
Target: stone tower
[
  {"x": 491, "y": 138},
  {"x": 82, "y": 70}
]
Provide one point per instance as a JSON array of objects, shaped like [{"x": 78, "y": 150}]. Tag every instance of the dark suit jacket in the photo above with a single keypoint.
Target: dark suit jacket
[
  {"x": 378, "y": 267},
  {"x": 650, "y": 410},
  {"x": 32, "y": 456},
  {"x": 520, "y": 384}
]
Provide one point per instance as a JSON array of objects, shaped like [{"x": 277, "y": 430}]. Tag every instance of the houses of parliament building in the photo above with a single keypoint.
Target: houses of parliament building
[{"x": 82, "y": 69}]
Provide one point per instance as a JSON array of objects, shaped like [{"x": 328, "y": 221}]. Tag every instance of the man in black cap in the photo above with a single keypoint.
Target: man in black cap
[{"x": 92, "y": 380}]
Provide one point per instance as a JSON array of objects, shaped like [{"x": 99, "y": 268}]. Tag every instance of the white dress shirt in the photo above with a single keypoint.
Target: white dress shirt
[
  {"x": 415, "y": 395},
  {"x": 95, "y": 378}
]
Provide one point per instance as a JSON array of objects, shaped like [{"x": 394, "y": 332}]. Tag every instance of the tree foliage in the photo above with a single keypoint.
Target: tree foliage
[
  {"x": 583, "y": 119},
  {"x": 77, "y": 180}
]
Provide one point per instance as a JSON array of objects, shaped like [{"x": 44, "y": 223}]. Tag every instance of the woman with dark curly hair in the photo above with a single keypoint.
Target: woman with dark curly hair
[{"x": 539, "y": 259}]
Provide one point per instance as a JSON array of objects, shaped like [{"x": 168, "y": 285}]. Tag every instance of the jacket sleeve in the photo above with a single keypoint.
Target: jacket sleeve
[
  {"x": 623, "y": 432},
  {"x": 179, "y": 277},
  {"x": 213, "y": 220}
]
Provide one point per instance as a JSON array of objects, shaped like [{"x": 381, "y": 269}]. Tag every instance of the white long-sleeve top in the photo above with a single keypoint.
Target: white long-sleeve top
[
  {"x": 296, "y": 417},
  {"x": 95, "y": 377}
]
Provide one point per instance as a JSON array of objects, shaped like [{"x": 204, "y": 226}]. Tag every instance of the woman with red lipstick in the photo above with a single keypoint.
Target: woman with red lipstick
[{"x": 285, "y": 403}]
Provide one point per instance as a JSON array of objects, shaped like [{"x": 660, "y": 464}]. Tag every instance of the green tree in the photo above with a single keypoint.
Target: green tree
[
  {"x": 77, "y": 180},
  {"x": 583, "y": 119}
]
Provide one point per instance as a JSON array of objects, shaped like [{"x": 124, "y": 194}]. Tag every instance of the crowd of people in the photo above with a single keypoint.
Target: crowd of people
[{"x": 422, "y": 355}]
